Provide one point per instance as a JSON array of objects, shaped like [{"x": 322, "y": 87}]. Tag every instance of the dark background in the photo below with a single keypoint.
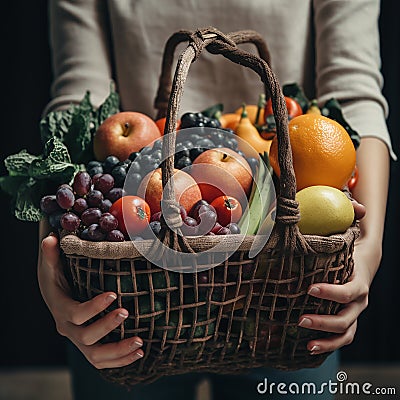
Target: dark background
[{"x": 28, "y": 335}]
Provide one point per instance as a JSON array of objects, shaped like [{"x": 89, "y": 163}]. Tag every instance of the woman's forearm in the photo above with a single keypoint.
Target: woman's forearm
[{"x": 371, "y": 190}]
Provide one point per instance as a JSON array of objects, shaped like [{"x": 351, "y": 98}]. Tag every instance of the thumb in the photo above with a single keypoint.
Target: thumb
[
  {"x": 51, "y": 251},
  {"x": 52, "y": 282}
]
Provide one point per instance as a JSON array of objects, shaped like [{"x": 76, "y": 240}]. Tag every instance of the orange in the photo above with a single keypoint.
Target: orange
[{"x": 323, "y": 153}]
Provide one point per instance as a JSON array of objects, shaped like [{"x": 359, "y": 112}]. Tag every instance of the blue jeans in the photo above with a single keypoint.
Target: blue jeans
[{"x": 88, "y": 384}]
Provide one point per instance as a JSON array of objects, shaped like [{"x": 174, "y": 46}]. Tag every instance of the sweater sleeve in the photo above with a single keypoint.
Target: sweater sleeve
[
  {"x": 348, "y": 63},
  {"x": 80, "y": 52}
]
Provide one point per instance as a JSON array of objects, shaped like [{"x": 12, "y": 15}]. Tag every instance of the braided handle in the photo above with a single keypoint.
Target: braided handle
[
  {"x": 218, "y": 43},
  {"x": 165, "y": 81}
]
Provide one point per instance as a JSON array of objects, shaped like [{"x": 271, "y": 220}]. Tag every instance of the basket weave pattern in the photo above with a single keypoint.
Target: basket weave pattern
[{"x": 242, "y": 313}]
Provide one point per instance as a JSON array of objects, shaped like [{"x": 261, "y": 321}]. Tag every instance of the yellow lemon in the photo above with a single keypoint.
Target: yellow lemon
[{"x": 324, "y": 210}]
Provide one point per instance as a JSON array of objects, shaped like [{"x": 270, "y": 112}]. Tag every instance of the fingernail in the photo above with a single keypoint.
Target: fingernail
[
  {"x": 122, "y": 315},
  {"x": 138, "y": 355},
  {"x": 110, "y": 298},
  {"x": 314, "y": 349},
  {"x": 305, "y": 322},
  {"x": 314, "y": 291},
  {"x": 136, "y": 344}
]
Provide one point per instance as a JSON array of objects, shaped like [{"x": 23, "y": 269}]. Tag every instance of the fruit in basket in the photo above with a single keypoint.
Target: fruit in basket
[
  {"x": 228, "y": 209},
  {"x": 192, "y": 120},
  {"x": 222, "y": 171},
  {"x": 70, "y": 222},
  {"x": 82, "y": 183},
  {"x": 352, "y": 182},
  {"x": 94, "y": 167},
  {"x": 252, "y": 110},
  {"x": 249, "y": 133},
  {"x": 229, "y": 120},
  {"x": 91, "y": 216},
  {"x": 123, "y": 133},
  {"x": 115, "y": 236},
  {"x": 65, "y": 197},
  {"x": 94, "y": 233},
  {"x": 49, "y": 205},
  {"x": 94, "y": 198},
  {"x": 108, "y": 222},
  {"x": 324, "y": 210},
  {"x": 104, "y": 183},
  {"x": 187, "y": 192},
  {"x": 132, "y": 213},
  {"x": 323, "y": 153},
  {"x": 80, "y": 206},
  {"x": 293, "y": 107}
]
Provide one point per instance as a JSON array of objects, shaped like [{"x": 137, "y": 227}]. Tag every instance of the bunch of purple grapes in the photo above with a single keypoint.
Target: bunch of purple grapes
[
  {"x": 202, "y": 220},
  {"x": 83, "y": 208}
]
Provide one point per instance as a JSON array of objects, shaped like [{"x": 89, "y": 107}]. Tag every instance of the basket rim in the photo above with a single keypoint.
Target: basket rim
[{"x": 71, "y": 244}]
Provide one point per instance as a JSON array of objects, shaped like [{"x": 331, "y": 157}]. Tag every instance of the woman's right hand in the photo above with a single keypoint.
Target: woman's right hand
[{"x": 71, "y": 316}]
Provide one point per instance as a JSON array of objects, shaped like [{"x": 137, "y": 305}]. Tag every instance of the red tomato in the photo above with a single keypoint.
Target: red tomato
[
  {"x": 132, "y": 213},
  {"x": 228, "y": 209},
  {"x": 351, "y": 184},
  {"x": 293, "y": 107}
]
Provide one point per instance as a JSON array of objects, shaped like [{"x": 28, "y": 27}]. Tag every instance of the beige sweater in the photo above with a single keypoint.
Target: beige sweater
[{"x": 329, "y": 47}]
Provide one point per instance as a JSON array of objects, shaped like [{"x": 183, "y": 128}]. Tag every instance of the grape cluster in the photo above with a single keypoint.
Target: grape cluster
[
  {"x": 198, "y": 119},
  {"x": 83, "y": 207},
  {"x": 112, "y": 166},
  {"x": 202, "y": 220}
]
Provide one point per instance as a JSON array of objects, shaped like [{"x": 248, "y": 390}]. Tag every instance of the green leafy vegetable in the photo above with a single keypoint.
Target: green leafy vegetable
[
  {"x": 109, "y": 107},
  {"x": 55, "y": 123},
  {"x": 76, "y": 126},
  {"x": 55, "y": 164},
  {"x": 27, "y": 201},
  {"x": 18, "y": 164},
  {"x": 10, "y": 184},
  {"x": 79, "y": 137},
  {"x": 67, "y": 145}
]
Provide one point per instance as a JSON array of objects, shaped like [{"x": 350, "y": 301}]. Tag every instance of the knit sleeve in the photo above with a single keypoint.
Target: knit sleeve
[
  {"x": 348, "y": 63},
  {"x": 80, "y": 52}
]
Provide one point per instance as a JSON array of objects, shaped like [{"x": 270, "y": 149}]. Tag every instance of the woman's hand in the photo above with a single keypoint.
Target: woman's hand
[
  {"x": 353, "y": 295},
  {"x": 71, "y": 316}
]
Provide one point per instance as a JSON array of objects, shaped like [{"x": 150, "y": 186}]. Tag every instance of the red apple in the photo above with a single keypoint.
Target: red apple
[
  {"x": 222, "y": 171},
  {"x": 123, "y": 133},
  {"x": 187, "y": 192}
]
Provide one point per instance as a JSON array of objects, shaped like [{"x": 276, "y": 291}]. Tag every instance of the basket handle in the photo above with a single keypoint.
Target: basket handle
[
  {"x": 287, "y": 208},
  {"x": 165, "y": 81}
]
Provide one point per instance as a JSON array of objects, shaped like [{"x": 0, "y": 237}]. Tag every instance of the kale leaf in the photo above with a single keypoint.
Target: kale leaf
[{"x": 67, "y": 145}]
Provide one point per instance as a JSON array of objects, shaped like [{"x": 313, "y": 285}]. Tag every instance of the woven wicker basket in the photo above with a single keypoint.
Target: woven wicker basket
[{"x": 244, "y": 312}]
